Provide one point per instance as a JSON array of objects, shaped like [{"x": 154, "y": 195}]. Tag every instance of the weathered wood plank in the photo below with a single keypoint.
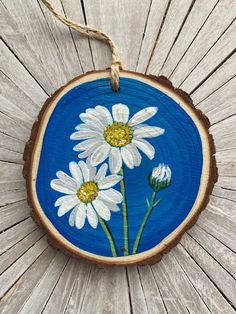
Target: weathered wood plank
[
  {"x": 138, "y": 301},
  {"x": 205, "y": 288},
  {"x": 224, "y": 256},
  {"x": 63, "y": 39},
  {"x": 10, "y": 156},
  {"x": 224, "y": 193},
  {"x": 11, "y": 143},
  {"x": 63, "y": 289},
  {"x": 11, "y": 176},
  {"x": 155, "y": 20},
  {"x": 12, "y": 214},
  {"x": 14, "y": 128},
  {"x": 208, "y": 220},
  {"x": 227, "y": 169},
  {"x": 215, "y": 80},
  {"x": 174, "y": 20},
  {"x": 13, "y": 273},
  {"x": 221, "y": 104},
  {"x": 224, "y": 127},
  {"x": 15, "y": 104},
  {"x": 171, "y": 299},
  {"x": 37, "y": 300},
  {"x": 226, "y": 207},
  {"x": 217, "y": 54},
  {"x": 225, "y": 142},
  {"x": 76, "y": 298},
  {"x": 227, "y": 182},
  {"x": 16, "y": 297},
  {"x": 109, "y": 289},
  {"x": 9, "y": 197},
  {"x": 151, "y": 291},
  {"x": 15, "y": 234},
  {"x": 221, "y": 278},
  {"x": 19, "y": 249},
  {"x": 127, "y": 38},
  {"x": 180, "y": 287},
  {"x": 73, "y": 10},
  {"x": 194, "y": 22},
  {"x": 220, "y": 18},
  {"x": 18, "y": 74},
  {"x": 33, "y": 43},
  {"x": 225, "y": 157}
]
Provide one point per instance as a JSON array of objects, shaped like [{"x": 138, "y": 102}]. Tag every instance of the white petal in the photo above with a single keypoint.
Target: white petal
[
  {"x": 80, "y": 216},
  {"x": 85, "y": 170},
  {"x": 92, "y": 119},
  {"x": 59, "y": 186},
  {"x": 97, "y": 113},
  {"x": 143, "y": 115},
  {"x": 115, "y": 160},
  {"x": 148, "y": 131},
  {"x": 127, "y": 157},
  {"x": 98, "y": 116},
  {"x": 89, "y": 151},
  {"x": 109, "y": 181},
  {"x": 110, "y": 195},
  {"x": 82, "y": 135},
  {"x": 67, "y": 205},
  {"x": 105, "y": 114},
  {"x": 145, "y": 147},
  {"x": 88, "y": 127},
  {"x": 85, "y": 144},
  {"x": 100, "y": 154},
  {"x": 61, "y": 199},
  {"x": 135, "y": 154},
  {"x": 101, "y": 172},
  {"x": 168, "y": 173},
  {"x": 72, "y": 216},
  {"x": 76, "y": 172},
  {"x": 112, "y": 206},
  {"x": 69, "y": 182},
  {"x": 120, "y": 113},
  {"x": 102, "y": 209},
  {"x": 92, "y": 171},
  {"x": 92, "y": 216},
  {"x": 83, "y": 127}
]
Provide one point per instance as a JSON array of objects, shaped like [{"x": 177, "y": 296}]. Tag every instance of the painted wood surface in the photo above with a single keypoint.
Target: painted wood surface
[{"x": 193, "y": 43}]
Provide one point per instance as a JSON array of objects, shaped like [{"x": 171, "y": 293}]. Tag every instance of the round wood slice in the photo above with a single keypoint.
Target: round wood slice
[{"x": 54, "y": 163}]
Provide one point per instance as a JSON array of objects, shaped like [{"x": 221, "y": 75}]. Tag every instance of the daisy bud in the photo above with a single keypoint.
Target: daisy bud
[{"x": 160, "y": 177}]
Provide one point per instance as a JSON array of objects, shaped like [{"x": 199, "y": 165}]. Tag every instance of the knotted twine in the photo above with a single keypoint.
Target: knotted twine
[{"x": 91, "y": 32}]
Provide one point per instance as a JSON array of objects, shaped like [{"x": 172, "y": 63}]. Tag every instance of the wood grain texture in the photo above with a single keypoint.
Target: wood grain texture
[{"x": 193, "y": 42}]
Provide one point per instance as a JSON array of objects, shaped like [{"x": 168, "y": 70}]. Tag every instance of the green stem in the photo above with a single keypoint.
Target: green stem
[
  {"x": 109, "y": 236},
  {"x": 125, "y": 214},
  {"x": 149, "y": 210}
]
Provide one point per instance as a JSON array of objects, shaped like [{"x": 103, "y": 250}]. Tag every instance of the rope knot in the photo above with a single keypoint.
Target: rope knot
[{"x": 115, "y": 67}]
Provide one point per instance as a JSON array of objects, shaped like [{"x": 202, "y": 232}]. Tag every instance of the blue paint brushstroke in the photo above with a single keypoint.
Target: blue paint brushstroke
[{"x": 180, "y": 147}]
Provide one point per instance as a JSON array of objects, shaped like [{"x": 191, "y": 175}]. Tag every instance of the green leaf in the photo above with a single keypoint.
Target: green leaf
[
  {"x": 156, "y": 203},
  {"x": 147, "y": 202}
]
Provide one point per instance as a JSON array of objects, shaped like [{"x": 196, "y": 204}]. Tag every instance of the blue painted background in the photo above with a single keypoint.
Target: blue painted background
[{"x": 179, "y": 147}]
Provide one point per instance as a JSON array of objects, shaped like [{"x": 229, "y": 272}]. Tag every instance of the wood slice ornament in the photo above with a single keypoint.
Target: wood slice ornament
[{"x": 118, "y": 176}]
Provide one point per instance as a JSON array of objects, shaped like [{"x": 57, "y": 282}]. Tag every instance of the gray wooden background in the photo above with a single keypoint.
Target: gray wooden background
[{"x": 191, "y": 42}]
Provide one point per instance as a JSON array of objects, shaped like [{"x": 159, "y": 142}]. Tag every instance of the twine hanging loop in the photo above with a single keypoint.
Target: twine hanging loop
[{"x": 91, "y": 32}]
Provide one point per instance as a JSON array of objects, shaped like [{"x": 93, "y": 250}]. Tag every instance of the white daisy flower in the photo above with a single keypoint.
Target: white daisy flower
[
  {"x": 115, "y": 136},
  {"x": 88, "y": 193}
]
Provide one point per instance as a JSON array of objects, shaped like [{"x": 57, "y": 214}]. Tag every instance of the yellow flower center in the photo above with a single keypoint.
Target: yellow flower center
[
  {"x": 118, "y": 134},
  {"x": 87, "y": 192}
]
